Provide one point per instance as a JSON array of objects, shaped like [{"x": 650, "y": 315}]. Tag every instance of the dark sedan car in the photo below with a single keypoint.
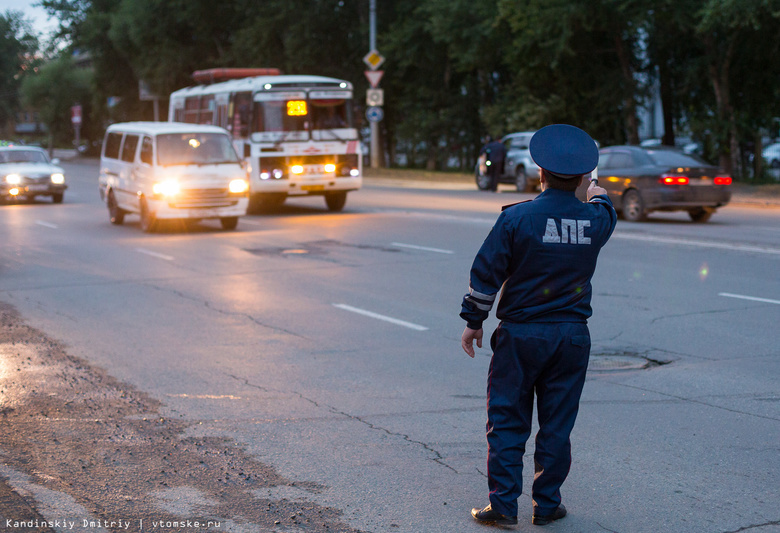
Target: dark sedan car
[{"x": 642, "y": 180}]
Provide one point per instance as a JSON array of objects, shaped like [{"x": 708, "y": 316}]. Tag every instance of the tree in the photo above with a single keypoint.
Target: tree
[
  {"x": 17, "y": 48},
  {"x": 56, "y": 87}
]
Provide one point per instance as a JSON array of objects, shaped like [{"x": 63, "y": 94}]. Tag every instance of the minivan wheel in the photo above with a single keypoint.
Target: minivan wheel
[
  {"x": 229, "y": 223},
  {"x": 633, "y": 206},
  {"x": 115, "y": 214},
  {"x": 148, "y": 220},
  {"x": 700, "y": 214}
]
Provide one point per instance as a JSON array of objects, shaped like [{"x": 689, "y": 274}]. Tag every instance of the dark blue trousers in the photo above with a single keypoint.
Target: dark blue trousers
[{"x": 549, "y": 360}]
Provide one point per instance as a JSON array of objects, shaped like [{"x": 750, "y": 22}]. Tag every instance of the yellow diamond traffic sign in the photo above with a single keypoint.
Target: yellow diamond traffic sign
[{"x": 373, "y": 59}]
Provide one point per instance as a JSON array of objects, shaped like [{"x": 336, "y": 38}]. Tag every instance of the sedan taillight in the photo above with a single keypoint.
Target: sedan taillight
[
  {"x": 668, "y": 179},
  {"x": 723, "y": 180}
]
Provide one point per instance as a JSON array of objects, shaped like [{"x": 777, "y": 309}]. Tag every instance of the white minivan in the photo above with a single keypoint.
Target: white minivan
[{"x": 170, "y": 170}]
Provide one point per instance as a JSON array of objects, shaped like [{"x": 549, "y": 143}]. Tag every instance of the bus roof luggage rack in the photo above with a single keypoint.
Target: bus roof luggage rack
[{"x": 215, "y": 75}]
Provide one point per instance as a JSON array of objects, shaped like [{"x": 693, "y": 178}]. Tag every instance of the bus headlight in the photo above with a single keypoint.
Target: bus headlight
[
  {"x": 13, "y": 179},
  {"x": 166, "y": 188},
  {"x": 238, "y": 186},
  {"x": 296, "y": 169},
  {"x": 264, "y": 175},
  {"x": 330, "y": 167},
  {"x": 354, "y": 173},
  {"x": 58, "y": 178}
]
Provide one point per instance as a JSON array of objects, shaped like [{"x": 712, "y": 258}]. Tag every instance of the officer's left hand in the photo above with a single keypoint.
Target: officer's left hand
[{"x": 468, "y": 338}]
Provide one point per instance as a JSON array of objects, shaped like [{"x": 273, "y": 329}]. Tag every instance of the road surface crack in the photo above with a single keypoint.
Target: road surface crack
[{"x": 754, "y": 526}]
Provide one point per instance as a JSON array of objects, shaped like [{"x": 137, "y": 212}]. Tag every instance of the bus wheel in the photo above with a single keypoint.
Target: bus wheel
[
  {"x": 229, "y": 223},
  {"x": 335, "y": 200},
  {"x": 265, "y": 202}
]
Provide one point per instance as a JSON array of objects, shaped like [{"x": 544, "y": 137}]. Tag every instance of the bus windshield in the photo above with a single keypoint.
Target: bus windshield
[
  {"x": 329, "y": 114},
  {"x": 195, "y": 149}
]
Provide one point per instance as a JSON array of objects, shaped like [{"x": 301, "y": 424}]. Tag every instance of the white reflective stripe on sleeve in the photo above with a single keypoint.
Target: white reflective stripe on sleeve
[{"x": 487, "y": 297}]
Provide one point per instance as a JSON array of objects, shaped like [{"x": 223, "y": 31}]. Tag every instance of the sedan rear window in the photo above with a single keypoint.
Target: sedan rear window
[{"x": 669, "y": 158}]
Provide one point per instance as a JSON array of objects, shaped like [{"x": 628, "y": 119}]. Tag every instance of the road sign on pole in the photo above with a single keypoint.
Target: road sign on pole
[
  {"x": 375, "y": 97},
  {"x": 373, "y": 59},
  {"x": 375, "y": 114},
  {"x": 373, "y": 77}
]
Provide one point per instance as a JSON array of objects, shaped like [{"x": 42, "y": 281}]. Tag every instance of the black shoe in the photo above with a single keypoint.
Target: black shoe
[
  {"x": 544, "y": 519},
  {"x": 489, "y": 516}
]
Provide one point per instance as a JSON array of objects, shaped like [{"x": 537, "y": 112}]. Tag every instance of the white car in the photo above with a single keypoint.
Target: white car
[
  {"x": 26, "y": 172},
  {"x": 772, "y": 155}
]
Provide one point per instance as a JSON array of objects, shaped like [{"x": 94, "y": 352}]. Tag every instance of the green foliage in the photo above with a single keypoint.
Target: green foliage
[
  {"x": 458, "y": 69},
  {"x": 56, "y": 87},
  {"x": 17, "y": 46}
]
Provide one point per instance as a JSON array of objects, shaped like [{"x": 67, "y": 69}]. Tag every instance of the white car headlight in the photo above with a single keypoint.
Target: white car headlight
[
  {"x": 167, "y": 188},
  {"x": 58, "y": 178},
  {"x": 13, "y": 179},
  {"x": 238, "y": 186}
]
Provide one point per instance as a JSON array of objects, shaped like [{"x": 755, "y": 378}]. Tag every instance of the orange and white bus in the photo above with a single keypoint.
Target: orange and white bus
[{"x": 296, "y": 132}]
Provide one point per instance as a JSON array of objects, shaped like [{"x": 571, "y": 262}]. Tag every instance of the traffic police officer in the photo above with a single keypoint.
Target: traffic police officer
[{"x": 543, "y": 253}]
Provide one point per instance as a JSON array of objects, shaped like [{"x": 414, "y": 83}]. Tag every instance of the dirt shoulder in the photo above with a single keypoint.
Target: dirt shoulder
[{"x": 80, "y": 446}]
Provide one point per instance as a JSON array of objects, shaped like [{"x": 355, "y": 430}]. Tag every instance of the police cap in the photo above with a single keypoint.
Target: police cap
[{"x": 563, "y": 150}]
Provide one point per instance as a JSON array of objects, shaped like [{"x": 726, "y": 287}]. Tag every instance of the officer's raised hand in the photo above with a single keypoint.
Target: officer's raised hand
[
  {"x": 595, "y": 190},
  {"x": 468, "y": 338}
]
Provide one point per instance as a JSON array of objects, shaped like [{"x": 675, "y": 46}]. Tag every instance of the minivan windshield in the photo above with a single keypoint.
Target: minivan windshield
[{"x": 195, "y": 149}]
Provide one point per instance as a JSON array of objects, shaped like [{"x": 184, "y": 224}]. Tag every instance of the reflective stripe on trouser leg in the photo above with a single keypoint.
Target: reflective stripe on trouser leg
[
  {"x": 528, "y": 357},
  {"x": 510, "y": 411}
]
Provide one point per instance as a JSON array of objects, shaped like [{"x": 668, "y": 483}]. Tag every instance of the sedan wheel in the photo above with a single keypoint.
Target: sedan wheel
[
  {"x": 57, "y": 198},
  {"x": 701, "y": 214},
  {"x": 633, "y": 206},
  {"x": 229, "y": 223}
]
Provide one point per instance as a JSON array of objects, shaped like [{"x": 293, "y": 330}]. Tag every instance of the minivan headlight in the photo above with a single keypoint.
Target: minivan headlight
[
  {"x": 238, "y": 186},
  {"x": 13, "y": 179},
  {"x": 167, "y": 188},
  {"x": 58, "y": 178}
]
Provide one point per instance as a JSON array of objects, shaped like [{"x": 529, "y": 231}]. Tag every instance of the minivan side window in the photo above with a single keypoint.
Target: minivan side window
[
  {"x": 113, "y": 142},
  {"x": 128, "y": 150},
  {"x": 147, "y": 151}
]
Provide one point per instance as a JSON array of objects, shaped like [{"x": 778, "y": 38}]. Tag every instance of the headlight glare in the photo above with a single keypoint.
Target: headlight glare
[
  {"x": 13, "y": 179},
  {"x": 296, "y": 169},
  {"x": 58, "y": 178},
  {"x": 166, "y": 188},
  {"x": 330, "y": 167},
  {"x": 238, "y": 186}
]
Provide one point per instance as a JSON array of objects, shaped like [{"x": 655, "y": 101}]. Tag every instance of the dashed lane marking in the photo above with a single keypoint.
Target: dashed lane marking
[
  {"x": 46, "y": 224},
  {"x": 155, "y": 254},
  {"x": 700, "y": 244},
  {"x": 751, "y": 298},
  {"x": 422, "y": 248},
  {"x": 377, "y": 316}
]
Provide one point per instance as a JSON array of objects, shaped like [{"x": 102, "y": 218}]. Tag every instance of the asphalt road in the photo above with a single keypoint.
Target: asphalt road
[{"x": 304, "y": 372}]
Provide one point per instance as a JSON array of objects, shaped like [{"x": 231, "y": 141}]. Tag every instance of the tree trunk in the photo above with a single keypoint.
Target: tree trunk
[
  {"x": 719, "y": 76},
  {"x": 629, "y": 111},
  {"x": 667, "y": 104}
]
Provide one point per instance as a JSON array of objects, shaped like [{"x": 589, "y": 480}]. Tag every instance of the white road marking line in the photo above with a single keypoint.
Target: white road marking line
[
  {"x": 371, "y": 314},
  {"x": 423, "y": 248},
  {"x": 700, "y": 244},
  {"x": 751, "y": 298},
  {"x": 206, "y": 396},
  {"x": 46, "y": 224},
  {"x": 155, "y": 254}
]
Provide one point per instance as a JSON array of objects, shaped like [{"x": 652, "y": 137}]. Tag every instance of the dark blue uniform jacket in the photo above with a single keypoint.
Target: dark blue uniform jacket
[{"x": 543, "y": 253}]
